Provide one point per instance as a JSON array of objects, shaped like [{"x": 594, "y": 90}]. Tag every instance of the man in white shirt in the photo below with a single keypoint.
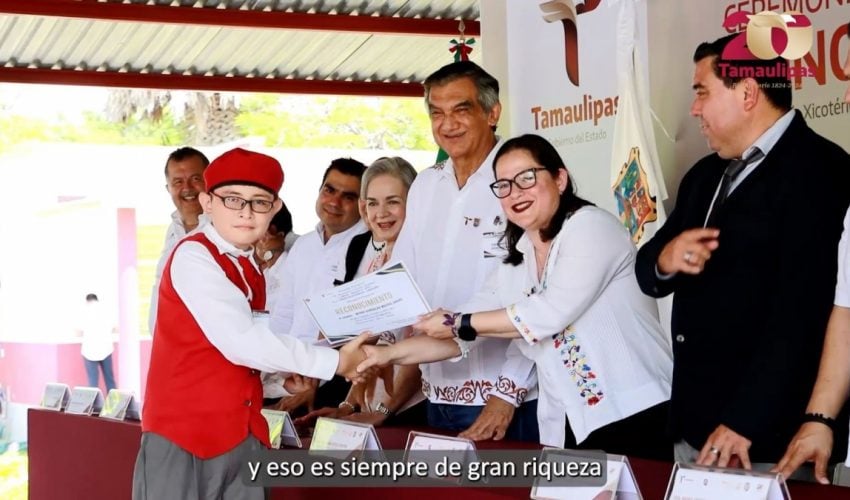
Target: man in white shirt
[
  {"x": 450, "y": 243},
  {"x": 96, "y": 346},
  {"x": 317, "y": 262},
  {"x": 184, "y": 179},
  {"x": 814, "y": 441}
]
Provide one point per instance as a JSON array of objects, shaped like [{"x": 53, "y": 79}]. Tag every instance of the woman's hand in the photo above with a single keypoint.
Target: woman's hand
[
  {"x": 439, "y": 324},
  {"x": 377, "y": 356}
]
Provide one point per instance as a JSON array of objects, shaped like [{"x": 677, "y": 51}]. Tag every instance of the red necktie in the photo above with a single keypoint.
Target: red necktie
[{"x": 255, "y": 281}]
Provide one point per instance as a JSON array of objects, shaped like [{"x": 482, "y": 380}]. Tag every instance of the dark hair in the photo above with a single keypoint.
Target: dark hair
[
  {"x": 545, "y": 154},
  {"x": 347, "y": 166},
  {"x": 185, "y": 153},
  {"x": 776, "y": 87},
  {"x": 487, "y": 86},
  {"x": 91, "y": 298},
  {"x": 282, "y": 220}
]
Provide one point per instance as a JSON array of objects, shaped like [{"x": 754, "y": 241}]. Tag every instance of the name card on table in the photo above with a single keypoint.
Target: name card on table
[
  {"x": 85, "y": 401},
  {"x": 55, "y": 397},
  {"x": 619, "y": 479},
  {"x": 454, "y": 450},
  {"x": 281, "y": 429},
  {"x": 343, "y": 439},
  {"x": 118, "y": 405},
  {"x": 697, "y": 482}
]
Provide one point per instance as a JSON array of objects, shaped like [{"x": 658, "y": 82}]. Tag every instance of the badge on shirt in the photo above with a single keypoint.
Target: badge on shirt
[{"x": 493, "y": 244}]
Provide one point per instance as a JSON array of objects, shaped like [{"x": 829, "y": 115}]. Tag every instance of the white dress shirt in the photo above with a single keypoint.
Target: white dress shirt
[
  {"x": 600, "y": 351},
  {"x": 765, "y": 143},
  {"x": 97, "y": 332},
  {"x": 311, "y": 266},
  {"x": 176, "y": 231},
  {"x": 450, "y": 244},
  {"x": 842, "y": 285},
  {"x": 274, "y": 274},
  {"x": 225, "y": 317}
]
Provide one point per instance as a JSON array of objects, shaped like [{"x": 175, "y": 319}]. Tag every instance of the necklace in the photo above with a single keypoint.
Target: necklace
[{"x": 376, "y": 247}]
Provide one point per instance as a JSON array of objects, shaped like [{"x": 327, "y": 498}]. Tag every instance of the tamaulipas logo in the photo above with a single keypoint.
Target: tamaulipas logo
[
  {"x": 566, "y": 12},
  {"x": 768, "y": 35}
]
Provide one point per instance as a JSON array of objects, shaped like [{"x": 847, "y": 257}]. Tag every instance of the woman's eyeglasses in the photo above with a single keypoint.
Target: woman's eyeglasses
[{"x": 523, "y": 180}]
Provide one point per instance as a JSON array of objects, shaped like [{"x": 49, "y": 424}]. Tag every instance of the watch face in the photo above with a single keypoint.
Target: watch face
[{"x": 467, "y": 333}]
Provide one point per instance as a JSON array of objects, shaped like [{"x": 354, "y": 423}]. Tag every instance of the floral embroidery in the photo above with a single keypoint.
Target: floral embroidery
[
  {"x": 470, "y": 392},
  {"x": 523, "y": 329},
  {"x": 388, "y": 337},
  {"x": 509, "y": 388},
  {"x": 440, "y": 165},
  {"x": 576, "y": 363}
]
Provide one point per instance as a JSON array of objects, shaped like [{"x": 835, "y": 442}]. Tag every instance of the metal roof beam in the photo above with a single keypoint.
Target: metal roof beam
[
  {"x": 237, "y": 17},
  {"x": 210, "y": 83}
]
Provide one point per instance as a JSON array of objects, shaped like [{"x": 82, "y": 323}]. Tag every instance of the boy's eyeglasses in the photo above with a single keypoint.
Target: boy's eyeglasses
[
  {"x": 523, "y": 180},
  {"x": 237, "y": 203}
]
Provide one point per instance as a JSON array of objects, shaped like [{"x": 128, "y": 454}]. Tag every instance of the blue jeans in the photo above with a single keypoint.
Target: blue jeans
[
  {"x": 458, "y": 418},
  {"x": 106, "y": 367}
]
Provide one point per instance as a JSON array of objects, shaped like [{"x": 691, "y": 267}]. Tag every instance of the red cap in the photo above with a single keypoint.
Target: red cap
[{"x": 240, "y": 166}]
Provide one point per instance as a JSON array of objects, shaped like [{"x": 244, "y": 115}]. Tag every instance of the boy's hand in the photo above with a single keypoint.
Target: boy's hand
[{"x": 350, "y": 355}]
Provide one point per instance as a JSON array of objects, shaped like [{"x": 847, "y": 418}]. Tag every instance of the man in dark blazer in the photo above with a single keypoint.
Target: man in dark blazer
[{"x": 751, "y": 259}]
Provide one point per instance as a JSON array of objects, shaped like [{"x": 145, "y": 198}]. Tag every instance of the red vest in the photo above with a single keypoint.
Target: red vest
[{"x": 195, "y": 397}]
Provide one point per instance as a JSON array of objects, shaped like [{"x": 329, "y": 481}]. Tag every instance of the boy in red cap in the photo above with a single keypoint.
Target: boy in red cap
[{"x": 204, "y": 395}]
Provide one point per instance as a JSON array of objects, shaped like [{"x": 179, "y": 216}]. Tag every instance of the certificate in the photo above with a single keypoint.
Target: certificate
[{"x": 384, "y": 300}]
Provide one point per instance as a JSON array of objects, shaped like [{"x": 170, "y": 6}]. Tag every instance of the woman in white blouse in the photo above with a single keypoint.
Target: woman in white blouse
[{"x": 568, "y": 294}]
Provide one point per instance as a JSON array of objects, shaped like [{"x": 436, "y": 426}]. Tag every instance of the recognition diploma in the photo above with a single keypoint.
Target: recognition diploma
[{"x": 384, "y": 300}]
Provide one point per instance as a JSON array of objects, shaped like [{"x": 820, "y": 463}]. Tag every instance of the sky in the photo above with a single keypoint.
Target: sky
[{"x": 43, "y": 101}]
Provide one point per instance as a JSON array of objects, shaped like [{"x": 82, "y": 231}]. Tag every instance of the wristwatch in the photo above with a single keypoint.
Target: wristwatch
[
  {"x": 382, "y": 408},
  {"x": 466, "y": 332}
]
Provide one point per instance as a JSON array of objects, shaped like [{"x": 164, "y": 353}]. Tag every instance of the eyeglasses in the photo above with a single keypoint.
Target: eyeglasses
[
  {"x": 237, "y": 203},
  {"x": 523, "y": 180}
]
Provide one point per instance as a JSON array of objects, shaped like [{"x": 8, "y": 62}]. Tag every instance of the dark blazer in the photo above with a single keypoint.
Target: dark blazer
[{"x": 748, "y": 331}]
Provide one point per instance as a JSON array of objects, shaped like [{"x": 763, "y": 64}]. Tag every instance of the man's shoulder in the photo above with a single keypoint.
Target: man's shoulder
[
  {"x": 304, "y": 243},
  {"x": 800, "y": 135},
  {"x": 704, "y": 167},
  {"x": 433, "y": 172}
]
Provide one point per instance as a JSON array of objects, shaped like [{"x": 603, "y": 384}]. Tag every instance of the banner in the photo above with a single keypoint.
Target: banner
[
  {"x": 563, "y": 86},
  {"x": 676, "y": 27}
]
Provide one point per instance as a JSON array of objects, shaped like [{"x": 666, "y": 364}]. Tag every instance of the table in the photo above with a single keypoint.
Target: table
[{"x": 80, "y": 457}]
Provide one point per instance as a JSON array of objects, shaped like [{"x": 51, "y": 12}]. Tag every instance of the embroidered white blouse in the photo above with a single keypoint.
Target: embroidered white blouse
[{"x": 600, "y": 351}]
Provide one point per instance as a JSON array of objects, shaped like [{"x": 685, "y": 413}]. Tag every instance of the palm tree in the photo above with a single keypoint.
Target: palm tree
[{"x": 208, "y": 118}]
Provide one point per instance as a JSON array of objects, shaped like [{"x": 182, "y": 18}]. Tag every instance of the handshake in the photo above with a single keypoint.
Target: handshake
[{"x": 360, "y": 359}]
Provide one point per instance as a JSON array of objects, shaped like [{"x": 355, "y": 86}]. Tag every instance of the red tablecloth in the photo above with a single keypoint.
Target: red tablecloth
[{"x": 78, "y": 457}]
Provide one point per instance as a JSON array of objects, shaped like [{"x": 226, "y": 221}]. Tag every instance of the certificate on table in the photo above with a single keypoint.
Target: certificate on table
[{"x": 384, "y": 300}]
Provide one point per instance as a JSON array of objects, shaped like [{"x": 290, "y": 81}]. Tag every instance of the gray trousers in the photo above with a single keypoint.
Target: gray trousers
[
  {"x": 687, "y": 454},
  {"x": 164, "y": 471}
]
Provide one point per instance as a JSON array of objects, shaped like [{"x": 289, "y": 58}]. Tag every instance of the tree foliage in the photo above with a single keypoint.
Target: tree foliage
[
  {"x": 336, "y": 122},
  {"x": 281, "y": 120}
]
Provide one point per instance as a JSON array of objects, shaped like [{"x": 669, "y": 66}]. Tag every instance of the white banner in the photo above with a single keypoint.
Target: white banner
[{"x": 563, "y": 83}]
